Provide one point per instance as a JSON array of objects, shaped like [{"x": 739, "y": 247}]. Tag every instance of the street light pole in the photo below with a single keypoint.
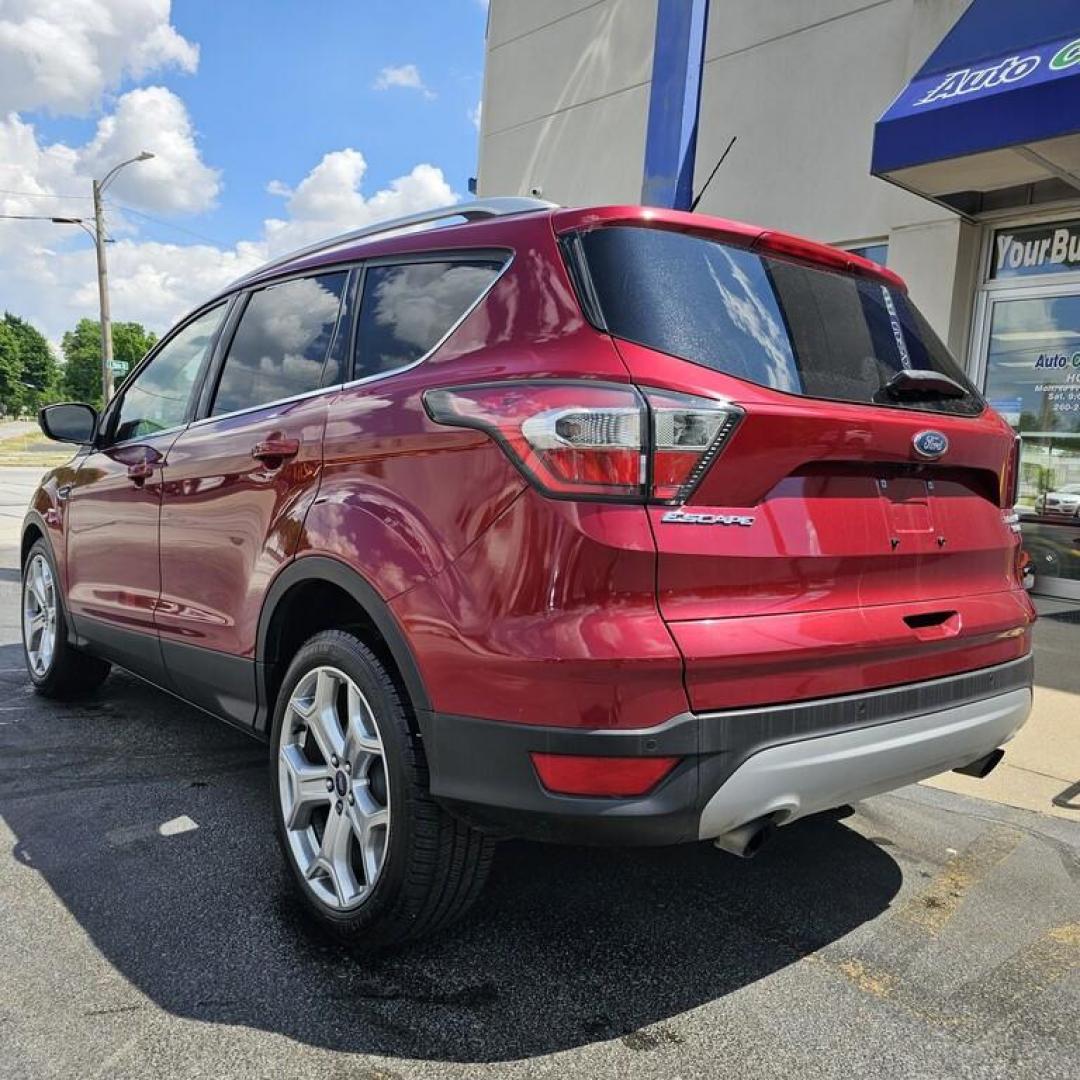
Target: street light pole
[
  {"x": 103, "y": 297},
  {"x": 103, "y": 274}
]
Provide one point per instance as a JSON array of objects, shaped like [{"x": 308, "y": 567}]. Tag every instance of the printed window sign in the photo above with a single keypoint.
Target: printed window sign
[
  {"x": 1033, "y": 363},
  {"x": 1036, "y": 249}
]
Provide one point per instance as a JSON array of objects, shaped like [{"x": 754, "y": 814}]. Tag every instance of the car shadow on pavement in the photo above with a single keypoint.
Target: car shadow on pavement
[{"x": 567, "y": 945}]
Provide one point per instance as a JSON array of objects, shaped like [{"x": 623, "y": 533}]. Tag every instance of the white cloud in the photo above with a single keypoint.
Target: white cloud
[
  {"x": 47, "y": 271},
  {"x": 407, "y": 76},
  {"x": 475, "y": 114},
  {"x": 175, "y": 180},
  {"x": 65, "y": 55},
  {"x": 329, "y": 200},
  {"x": 70, "y": 56}
]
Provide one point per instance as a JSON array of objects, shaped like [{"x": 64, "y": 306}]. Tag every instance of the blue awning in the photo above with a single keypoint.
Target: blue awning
[{"x": 996, "y": 104}]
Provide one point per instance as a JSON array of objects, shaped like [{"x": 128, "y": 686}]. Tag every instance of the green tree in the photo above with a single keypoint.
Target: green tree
[
  {"x": 82, "y": 356},
  {"x": 37, "y": 368},
  {"x": 10, "y": 389}
]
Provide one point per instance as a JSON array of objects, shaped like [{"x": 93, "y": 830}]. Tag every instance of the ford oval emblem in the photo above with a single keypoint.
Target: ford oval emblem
[{"x": 930, "y": 444}]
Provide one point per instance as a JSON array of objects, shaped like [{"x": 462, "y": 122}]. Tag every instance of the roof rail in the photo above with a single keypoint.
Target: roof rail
[{"x": 471, "y": 211}]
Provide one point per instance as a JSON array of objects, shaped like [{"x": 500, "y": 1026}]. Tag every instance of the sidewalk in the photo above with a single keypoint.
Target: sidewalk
[{"x": 1043, "y": 761}]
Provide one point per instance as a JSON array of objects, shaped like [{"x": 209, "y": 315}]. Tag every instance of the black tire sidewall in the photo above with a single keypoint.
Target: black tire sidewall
[{"x": 341, "y": 650}]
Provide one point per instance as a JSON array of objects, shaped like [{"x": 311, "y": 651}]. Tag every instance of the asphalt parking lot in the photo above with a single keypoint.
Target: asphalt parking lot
[{"x": 146, "y": 929}]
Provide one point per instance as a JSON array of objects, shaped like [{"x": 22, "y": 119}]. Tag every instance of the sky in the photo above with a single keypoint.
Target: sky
[{"x": 273, "y": 123}]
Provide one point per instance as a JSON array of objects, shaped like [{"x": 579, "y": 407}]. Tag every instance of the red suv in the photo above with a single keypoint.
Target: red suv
[{"x": 612, "y": 525}]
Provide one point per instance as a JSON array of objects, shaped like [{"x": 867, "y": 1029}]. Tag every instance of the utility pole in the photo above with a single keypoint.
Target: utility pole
[
  {"x": 103, "y": 297},
  {"x": 103, "y": 274}
]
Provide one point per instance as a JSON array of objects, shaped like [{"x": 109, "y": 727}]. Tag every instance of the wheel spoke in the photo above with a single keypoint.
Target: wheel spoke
[
  {"x": 320, "y": 714},
  {"x": 369, "y": 822},
  {"x": 362, "y": 743},
  {"x": 37, "y": 584},
  {"x": 305, "y": 784},
  {"x": 332, "y": 860}
]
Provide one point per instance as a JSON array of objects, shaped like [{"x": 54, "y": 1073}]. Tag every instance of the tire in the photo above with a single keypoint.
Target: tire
[
  {"x": 375, "y": 858},
  {"x": 56, "y": 669}
]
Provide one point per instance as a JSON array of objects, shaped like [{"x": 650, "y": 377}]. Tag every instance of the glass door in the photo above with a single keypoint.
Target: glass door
[{"x": 1030, "y": 348}]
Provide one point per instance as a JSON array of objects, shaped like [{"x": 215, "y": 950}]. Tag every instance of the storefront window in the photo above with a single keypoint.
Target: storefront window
[{"x": 1033, "y": 380}]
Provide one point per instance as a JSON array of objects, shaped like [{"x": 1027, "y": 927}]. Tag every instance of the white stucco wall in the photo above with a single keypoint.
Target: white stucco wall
[{"x": 801, "y": 84}]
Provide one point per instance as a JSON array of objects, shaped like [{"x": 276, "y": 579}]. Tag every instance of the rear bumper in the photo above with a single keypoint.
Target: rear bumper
[
  {"x": 789, "y": 781},
  {"x": 734, "y": 766}
]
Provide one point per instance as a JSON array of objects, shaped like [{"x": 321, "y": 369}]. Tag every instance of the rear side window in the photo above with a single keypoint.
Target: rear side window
[
  {"x": 781, "y": 324},
  {"x": 279, "y": 349},
  {"x": 408, "y": 308}
]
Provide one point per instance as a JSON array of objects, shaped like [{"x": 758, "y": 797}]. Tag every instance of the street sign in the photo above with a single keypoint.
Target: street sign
[{"x": 118, "y": 367}]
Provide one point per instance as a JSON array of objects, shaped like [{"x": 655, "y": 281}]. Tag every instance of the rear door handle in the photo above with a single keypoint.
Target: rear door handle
[{"x": 275, "y": 451}]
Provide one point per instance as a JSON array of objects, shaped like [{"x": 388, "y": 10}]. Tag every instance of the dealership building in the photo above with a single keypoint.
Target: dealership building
[{"x": 941, "y": 137}]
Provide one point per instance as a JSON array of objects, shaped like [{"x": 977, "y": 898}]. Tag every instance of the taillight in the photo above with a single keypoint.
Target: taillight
[
  {"x": 592, "y": 439},
  {"x": 1010, "y": 479},
  {"x": 1025, "y": 569},
  {"x": 687, "y": 434},
  {"x": 571, "y": 439}
]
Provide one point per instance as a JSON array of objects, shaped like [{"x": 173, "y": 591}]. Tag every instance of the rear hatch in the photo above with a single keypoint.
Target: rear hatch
[{"x": 856, "y": 520}]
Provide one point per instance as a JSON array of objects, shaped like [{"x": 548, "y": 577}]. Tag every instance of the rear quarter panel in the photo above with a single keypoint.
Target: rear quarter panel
[{"x": 402, "y": 497}]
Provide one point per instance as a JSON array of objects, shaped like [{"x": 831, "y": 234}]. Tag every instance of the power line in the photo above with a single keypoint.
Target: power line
[
  {"x": 165, "y": 224},
  {"x": 40, "y": 194}
]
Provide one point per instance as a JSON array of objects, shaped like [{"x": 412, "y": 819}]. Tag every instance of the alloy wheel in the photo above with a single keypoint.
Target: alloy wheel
[
  {"x": 333, "y": 786},
  {"x": 39, "y": 615}
]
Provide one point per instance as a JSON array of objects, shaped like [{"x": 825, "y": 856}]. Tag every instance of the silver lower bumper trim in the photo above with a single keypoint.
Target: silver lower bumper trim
[{"x": 808, "y": 775}]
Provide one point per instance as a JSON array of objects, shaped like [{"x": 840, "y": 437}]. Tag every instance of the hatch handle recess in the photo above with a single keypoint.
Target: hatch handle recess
[{"x": 929, "y": 625}]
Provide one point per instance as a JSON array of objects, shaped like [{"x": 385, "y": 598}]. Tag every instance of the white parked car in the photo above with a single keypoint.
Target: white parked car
[{"x": 1063, "y": 502}]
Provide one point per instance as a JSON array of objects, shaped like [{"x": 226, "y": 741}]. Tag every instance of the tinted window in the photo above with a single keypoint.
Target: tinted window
[
  {"x": 159, "y": 395},
  {"x": 280, "y": 346},
  {"x": 406, "y": 310},
  {"x": 785, "y": 325}
]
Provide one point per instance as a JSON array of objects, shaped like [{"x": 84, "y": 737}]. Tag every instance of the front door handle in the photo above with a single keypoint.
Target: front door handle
[
  {"x": 139, "y": 473},
  {"x": 274, "y": 451}
]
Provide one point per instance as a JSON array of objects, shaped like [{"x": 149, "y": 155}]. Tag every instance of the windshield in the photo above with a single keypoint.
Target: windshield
[{"x": 792, "y": 327}]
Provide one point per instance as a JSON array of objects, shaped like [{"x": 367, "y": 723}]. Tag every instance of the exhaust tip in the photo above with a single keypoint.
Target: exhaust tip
[
  {"x": 982, "y": 767},
  {"x": 747, "y": 840}
]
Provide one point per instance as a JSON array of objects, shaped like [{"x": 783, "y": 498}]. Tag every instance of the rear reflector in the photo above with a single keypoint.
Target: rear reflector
[{"x": 612, "y": 777}]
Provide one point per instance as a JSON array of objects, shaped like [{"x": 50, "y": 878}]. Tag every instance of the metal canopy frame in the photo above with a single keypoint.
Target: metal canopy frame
[{"x": 472, "y": 211}]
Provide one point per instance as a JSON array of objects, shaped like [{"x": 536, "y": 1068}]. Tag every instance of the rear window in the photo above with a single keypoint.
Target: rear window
[{"x": 780, "y": 324}]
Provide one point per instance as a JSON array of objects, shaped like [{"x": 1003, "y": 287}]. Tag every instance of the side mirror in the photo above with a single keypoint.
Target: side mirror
[{"x": 71, "y": 422}]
